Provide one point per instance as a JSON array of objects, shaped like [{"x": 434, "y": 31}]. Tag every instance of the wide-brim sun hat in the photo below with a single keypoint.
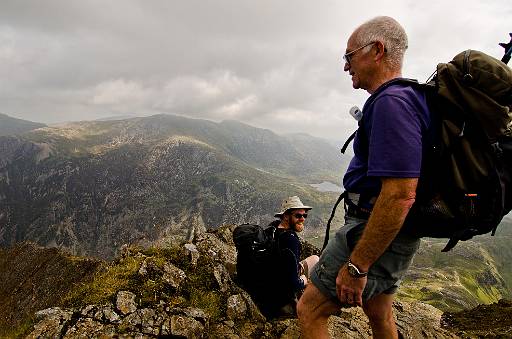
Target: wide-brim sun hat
[{"x": 291, "y": 203}]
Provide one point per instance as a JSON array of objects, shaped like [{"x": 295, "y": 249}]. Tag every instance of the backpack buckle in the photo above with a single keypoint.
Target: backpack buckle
[{"x": 498, "y": 151}]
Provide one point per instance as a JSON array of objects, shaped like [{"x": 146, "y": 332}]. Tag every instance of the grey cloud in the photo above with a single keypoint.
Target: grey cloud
[{"x": 273, "y": 64}]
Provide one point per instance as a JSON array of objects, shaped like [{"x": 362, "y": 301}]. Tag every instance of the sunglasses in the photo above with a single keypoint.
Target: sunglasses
[
  {"x": 349, "y": 55},
  {"x": 298, "y": 215}
]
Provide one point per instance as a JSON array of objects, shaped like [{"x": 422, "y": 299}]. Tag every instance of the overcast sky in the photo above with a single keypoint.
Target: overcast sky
[{"x": 272, "y": 64}]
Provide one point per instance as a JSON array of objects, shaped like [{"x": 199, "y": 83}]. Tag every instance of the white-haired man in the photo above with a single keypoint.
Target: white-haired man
[{"x": 364, "y": 263}]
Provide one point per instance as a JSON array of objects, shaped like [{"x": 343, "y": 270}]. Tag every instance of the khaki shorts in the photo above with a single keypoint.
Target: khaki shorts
[{"x": 385, "y": 274}]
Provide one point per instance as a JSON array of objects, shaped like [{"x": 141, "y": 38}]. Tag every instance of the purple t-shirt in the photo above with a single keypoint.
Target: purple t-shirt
[{"x": 395, "y": 134}]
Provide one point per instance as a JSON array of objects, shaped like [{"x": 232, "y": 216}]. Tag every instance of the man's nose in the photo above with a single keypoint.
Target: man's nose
[{"x": 346, "y": 67}]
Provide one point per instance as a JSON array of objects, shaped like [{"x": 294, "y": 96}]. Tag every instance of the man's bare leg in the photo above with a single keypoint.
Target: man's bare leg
[
  {"x": 313, "y": 311},
  {"x": 379, "y": 310}
]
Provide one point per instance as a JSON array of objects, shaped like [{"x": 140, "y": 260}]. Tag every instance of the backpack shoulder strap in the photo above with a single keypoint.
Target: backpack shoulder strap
[
  {"x": 328, "y": 227},
  {"x": 348, "y": 141}
]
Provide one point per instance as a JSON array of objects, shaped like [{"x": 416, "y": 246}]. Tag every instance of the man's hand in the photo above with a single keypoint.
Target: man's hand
[{"x": 348, "y": 288}]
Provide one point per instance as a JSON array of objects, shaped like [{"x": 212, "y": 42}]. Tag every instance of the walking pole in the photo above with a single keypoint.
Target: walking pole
[{"x": 508, "y": 50}]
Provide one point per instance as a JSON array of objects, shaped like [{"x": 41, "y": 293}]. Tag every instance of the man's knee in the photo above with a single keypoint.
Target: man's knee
[
  {"x": 379, "y": 308},
  {"x": 314, "y": 306}
]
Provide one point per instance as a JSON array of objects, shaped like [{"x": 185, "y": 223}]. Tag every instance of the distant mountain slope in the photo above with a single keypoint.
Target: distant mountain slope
[
  {"x": 475, "y": 272},
  {"x": 306, "y": 156},
  {"x": 92, "y": 186},
  {"x": 13, "y": 126}
]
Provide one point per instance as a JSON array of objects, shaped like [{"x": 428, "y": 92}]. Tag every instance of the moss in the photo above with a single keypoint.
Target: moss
[
  {"x": 209, "y": 301},
  {"x": 161, "y": 255},
  {"x": 200, "y": 289},
  {"x": 123, "y": 275},
  {"x": 106, "y": 283}
]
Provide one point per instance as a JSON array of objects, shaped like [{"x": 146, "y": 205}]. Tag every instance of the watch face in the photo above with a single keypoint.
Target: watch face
[{"x": 353, "y": 270}]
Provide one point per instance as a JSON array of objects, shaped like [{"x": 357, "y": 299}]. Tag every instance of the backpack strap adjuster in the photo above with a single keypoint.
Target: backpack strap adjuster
[{"x": 498, "y": 151}]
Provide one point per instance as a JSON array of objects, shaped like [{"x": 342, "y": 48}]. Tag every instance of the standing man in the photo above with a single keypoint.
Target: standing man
[{"x": 364, "y": 263}]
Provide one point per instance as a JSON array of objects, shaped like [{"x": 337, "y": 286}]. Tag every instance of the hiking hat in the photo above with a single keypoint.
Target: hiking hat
[{"x": 291, "y": 203}]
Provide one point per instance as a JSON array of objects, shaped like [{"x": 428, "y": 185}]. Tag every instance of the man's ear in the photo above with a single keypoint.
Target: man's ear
[{"x": 380, "y": 50}]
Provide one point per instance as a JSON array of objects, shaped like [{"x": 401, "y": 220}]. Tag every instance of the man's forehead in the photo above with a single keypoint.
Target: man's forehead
[{"x": 350, "y": 43}]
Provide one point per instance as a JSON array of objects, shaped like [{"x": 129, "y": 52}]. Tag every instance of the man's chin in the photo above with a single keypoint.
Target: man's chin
[
  {"x": 355, "y": 82},
  {"x": 299, "y": 227}
]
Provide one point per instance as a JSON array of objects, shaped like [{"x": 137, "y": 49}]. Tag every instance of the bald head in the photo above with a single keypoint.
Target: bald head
[{"x": 388, "y": 31}]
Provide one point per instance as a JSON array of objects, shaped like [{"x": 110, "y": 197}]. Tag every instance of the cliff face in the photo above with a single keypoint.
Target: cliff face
[{"x": 91, "y": 187}]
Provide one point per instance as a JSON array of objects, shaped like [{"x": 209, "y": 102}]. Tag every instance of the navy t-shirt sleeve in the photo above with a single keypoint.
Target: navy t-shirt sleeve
[
  {"x": 290, "y": 254},
  {"x": 395, "y": 142}
]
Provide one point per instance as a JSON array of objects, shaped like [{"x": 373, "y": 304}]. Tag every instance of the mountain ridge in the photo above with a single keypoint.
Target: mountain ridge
[
  {"x": 14, "y": 126},
  {"x": 93, "y": 186}
]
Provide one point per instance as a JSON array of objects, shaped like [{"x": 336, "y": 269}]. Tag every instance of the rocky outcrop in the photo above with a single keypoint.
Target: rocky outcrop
[{"x": 193, "y": 294}]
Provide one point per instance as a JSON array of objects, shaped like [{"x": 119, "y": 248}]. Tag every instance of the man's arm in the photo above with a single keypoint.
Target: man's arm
[{"x": 388, "y": 215}]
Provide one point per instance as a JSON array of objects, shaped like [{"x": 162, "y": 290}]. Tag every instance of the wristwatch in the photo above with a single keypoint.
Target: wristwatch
[{"x": 354, "y": 271}]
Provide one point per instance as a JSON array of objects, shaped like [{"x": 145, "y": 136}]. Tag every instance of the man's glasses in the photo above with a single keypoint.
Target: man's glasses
[
  {"x": 298, "y": 215},
  {"x": 348, "y": 56}
]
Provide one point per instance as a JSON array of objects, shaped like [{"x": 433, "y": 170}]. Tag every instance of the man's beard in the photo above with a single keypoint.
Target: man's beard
[{"x": 298, "y": 227}]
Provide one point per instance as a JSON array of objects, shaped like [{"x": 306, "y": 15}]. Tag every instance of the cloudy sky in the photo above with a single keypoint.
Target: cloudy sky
[{"x": 269, "y": 63}]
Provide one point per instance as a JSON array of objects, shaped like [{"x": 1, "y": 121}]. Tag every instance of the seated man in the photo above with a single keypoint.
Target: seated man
[{"x": 288, "y": 275}]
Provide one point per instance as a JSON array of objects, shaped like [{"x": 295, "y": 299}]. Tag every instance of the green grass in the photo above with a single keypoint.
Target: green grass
[
  {"x": 105, "y": 284},
  {"x": 199, "y": 290},
  {"x": 467, "y": 263}
]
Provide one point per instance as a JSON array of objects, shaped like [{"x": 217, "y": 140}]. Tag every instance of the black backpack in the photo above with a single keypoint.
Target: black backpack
[
  {"x": 465, "y": 185},
  {"x": 256, "y": 254}
]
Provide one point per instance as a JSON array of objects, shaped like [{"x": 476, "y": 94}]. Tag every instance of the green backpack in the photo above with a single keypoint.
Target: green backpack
[{"x": 465, "y": 188}]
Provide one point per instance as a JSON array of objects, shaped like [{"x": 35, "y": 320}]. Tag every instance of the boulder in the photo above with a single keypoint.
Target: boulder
[
  {"x": 87, "y": 328},
  {"x": 173, "y": 275},
  {"x": 125, "y": 302},
  {"x": 236, "y": 307},
  {"x": 186, "y": 327},
  {"x": 51, "y": 323},
  {"x": 192, "y": 253},
  {"x": 222, "y": 277}
]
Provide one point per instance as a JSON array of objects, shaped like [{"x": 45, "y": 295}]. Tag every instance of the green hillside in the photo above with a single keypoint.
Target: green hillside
[{"x": 475, "y": 272}]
